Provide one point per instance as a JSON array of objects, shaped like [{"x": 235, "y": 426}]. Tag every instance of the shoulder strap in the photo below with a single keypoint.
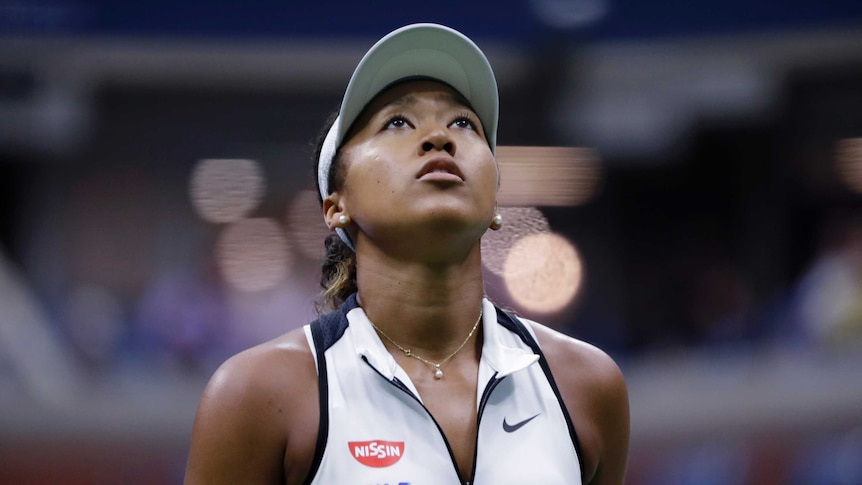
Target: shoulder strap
[{"x": 325, "y": 331}]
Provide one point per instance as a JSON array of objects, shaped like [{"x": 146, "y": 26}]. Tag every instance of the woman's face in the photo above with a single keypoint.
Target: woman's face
[{"x": 416, "y": 163}]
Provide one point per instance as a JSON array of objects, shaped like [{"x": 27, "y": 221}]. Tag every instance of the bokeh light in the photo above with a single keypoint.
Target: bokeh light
[
  {"x": 305, "y": 225},
  {"x": 253, "y": 254},
  {"x": 543, "y": 272},
  {"x": 547, "y": 176},
  {"x": 848, "y": 162},
  {"x": 517, "y": 223},
  {"x": 225, "y": 190}
]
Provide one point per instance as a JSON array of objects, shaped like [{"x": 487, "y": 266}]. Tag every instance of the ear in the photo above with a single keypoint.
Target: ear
[
  {"x": 497, "y": 167},
  {"x": 332, "y": 210}
]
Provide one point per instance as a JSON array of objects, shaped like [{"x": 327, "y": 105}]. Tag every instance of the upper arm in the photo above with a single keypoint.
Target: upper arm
[
  {"x": 231, "y": 442},
  {"x": 245, "y": 418},
  {"x": 611, "y": 410},
  {"x": 594, "y": 391}
]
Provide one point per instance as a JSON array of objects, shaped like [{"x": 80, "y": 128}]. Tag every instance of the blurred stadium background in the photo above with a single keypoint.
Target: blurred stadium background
[{"x": 682, "y": 186}]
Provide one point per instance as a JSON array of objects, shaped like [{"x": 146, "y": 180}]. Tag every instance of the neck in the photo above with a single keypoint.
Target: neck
[{"x": 429, "y": 308}]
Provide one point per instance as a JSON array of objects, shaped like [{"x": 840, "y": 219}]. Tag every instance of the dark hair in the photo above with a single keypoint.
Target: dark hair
[{"x": 338, "y": 272}]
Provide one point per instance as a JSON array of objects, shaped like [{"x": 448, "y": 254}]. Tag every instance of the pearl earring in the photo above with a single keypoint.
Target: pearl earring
[
  {"x": 343, "y": 219},
  {"x": 497, "y": 222}
]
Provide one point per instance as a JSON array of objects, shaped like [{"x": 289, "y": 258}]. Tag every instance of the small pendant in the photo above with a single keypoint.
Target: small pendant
[{"x": 438, "y": 374}]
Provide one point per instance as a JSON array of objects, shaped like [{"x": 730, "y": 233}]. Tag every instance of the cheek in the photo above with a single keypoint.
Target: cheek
[
  {"x": 368, "y": 176},
  {"x": 375, "y": 174},
  {"x": 489, "y": 172}
]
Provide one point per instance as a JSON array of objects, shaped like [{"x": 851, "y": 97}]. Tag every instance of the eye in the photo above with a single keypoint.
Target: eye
[
  {"x": 396, "y": 122},
  {"x": 464, "y": 122}
]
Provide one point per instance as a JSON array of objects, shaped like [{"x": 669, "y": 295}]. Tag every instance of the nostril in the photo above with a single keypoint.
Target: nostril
[
  {"x": 427, "y": 146},
  {"x": 450, "y": 148}
]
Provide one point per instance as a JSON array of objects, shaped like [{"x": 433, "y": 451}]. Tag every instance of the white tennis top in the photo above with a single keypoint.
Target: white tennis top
[{"x": 374, "y": 429}]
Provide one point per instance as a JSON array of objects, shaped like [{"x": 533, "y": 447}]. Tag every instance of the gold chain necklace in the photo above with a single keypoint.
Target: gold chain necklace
[{"x": 438, "y": 372}]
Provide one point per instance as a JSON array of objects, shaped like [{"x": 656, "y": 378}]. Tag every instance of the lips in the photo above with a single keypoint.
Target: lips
[{"x": 443, "y": 169}]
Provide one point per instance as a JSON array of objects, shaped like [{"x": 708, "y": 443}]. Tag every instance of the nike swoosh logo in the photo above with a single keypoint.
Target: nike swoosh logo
[{"x": 511, "y": 428}]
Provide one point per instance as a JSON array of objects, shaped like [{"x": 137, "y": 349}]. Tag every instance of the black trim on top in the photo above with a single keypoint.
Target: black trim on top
[
  {"x": 486, "y": 394},
  {"x": 403, "y": 387},
  {"x": 325, "y": 331},
  {"x": 318, "y": 336},
  {"x": 332, "y": 326},
  {"x": 513, "y": 324}
]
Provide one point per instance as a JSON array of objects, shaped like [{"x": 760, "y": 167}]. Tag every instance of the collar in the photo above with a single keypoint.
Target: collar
[{"x": 501, "y": 354}]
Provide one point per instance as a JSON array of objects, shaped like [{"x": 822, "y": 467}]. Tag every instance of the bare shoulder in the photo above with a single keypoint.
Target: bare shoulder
[
  {"x": 573, "y": 359},
  {"x": 257, "y": 419},
  {"x": 260, "y": 370},
  {"x": 594, "y": 391}
]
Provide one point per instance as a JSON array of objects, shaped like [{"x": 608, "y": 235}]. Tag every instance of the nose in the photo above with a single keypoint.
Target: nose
[{"x": 438, "y": 139}]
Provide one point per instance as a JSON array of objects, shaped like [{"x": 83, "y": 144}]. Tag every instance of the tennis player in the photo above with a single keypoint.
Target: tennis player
[{"x": 414, "y": 377}]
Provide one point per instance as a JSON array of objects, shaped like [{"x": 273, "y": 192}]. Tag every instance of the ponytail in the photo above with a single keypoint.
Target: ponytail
[{"x": 338, "y": 273}]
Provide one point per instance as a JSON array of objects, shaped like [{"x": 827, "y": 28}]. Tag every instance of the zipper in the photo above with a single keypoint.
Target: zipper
[
  {"x": 492, "y": 383},
  {"x": 403, "y": 387},
  {"x": 485, "y": 396}
]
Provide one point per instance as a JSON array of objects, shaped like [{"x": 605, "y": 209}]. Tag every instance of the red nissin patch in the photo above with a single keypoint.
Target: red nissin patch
[{"x": 376, "y": 453}]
